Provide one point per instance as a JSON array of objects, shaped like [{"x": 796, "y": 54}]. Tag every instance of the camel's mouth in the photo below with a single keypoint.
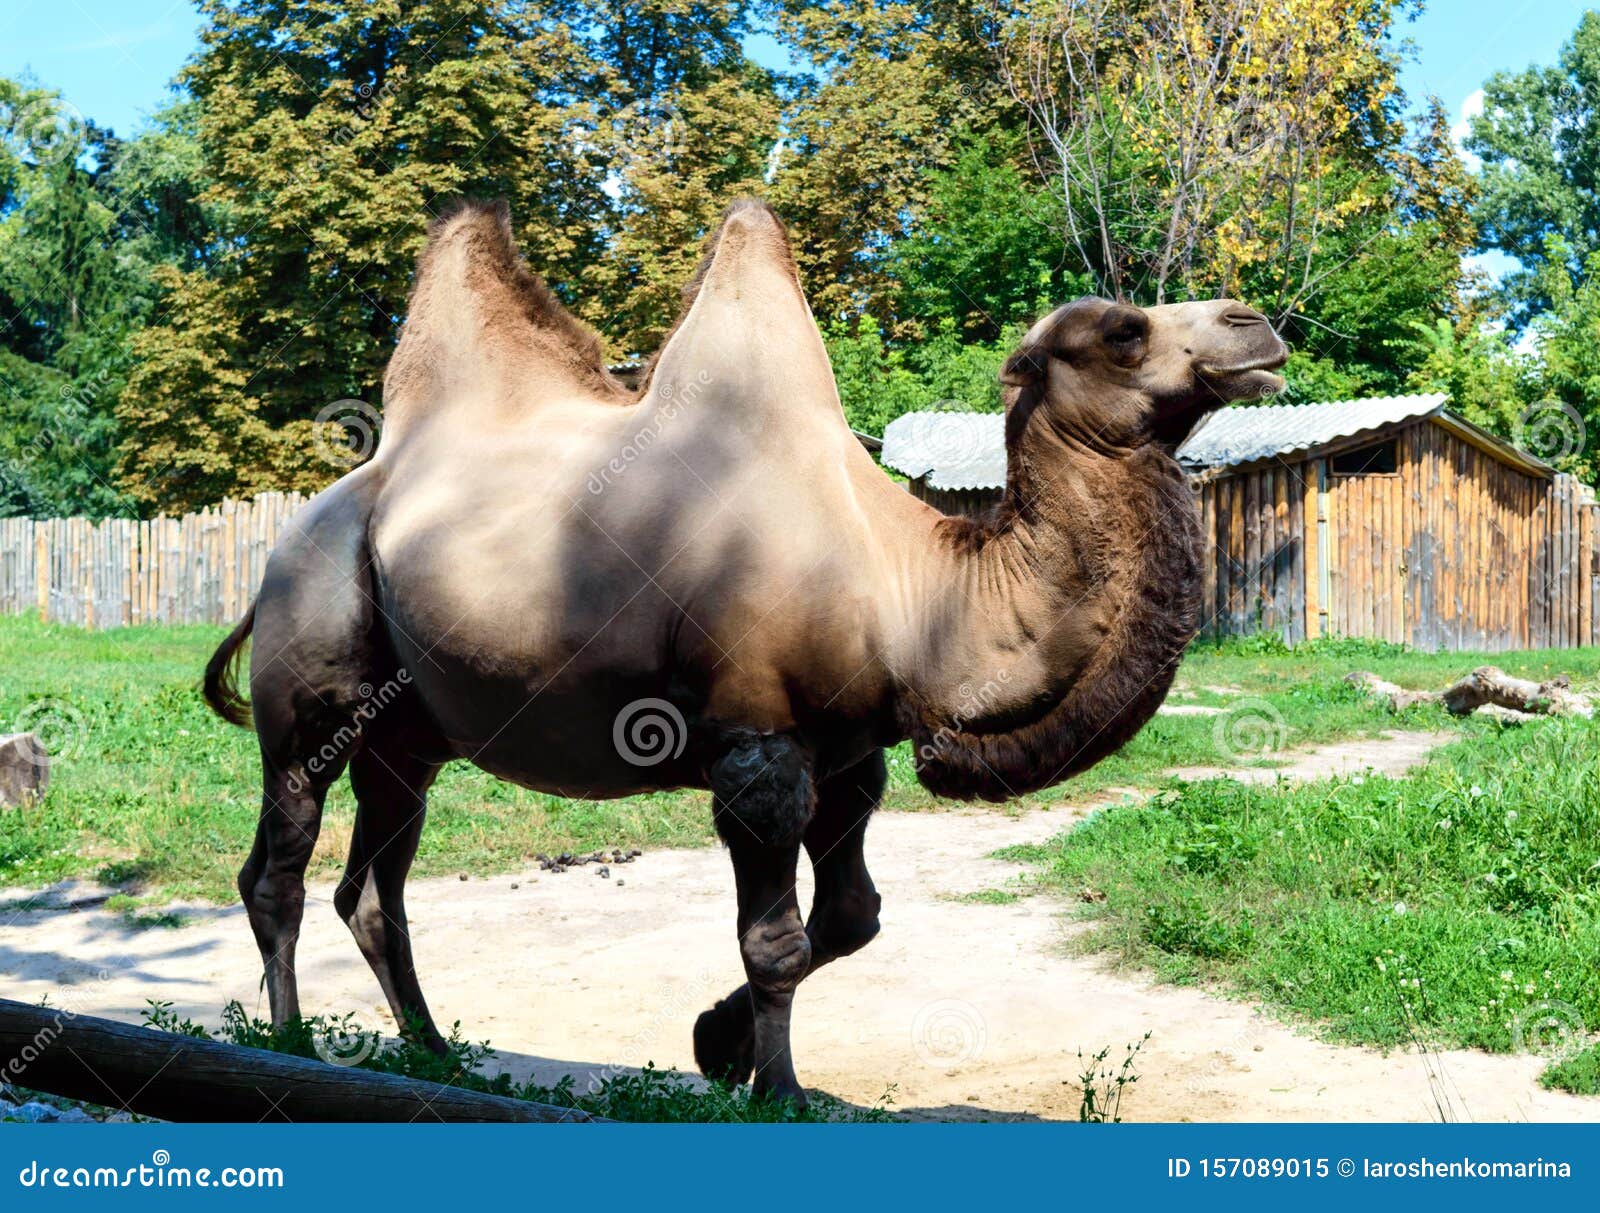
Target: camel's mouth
[{"x": 1255, "y": 378}]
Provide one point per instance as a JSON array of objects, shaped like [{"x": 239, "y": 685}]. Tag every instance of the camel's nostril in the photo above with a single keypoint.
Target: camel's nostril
[{"x": 1243, "y": 315}]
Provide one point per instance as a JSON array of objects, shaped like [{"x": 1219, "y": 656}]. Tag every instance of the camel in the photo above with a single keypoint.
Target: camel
[{"x": 708, "y": 583}]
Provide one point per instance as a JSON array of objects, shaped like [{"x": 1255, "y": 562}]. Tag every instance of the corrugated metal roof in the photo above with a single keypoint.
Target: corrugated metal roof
[
  {"x": 1245, "y": 433},
  {"x": 953, "y": 450},
  {"x": 958, "y": 450}
]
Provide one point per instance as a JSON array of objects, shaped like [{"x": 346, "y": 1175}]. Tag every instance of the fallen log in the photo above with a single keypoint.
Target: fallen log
[
  {"x": 1486, "y": 685},
  {"x": 182, "y": 1078}
]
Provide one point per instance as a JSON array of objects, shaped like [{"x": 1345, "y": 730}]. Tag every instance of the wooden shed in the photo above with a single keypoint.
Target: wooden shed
[{"x": 1389, "y": 518}]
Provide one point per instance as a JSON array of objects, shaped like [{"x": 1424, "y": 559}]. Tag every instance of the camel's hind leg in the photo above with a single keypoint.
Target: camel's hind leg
[
  {"x": 843, "y": 919},
  {"x": 391, "y": 787},
  {"x": 311, "y": 670},
  {"x": 272, "y": 881}
]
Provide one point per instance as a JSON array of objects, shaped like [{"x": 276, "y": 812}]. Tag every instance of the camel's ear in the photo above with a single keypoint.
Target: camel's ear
[{"x": 1025, "y": 368}]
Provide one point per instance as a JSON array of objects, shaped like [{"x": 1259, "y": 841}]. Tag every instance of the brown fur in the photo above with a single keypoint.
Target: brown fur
[{"x": 484, "y": 228}]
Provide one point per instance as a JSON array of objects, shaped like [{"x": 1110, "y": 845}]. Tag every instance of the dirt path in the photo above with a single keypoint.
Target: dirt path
[{"x": 968, "y": 1009}]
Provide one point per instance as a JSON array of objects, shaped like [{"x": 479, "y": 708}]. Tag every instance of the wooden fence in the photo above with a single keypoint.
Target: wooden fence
[{"x": 200, "y": 568}]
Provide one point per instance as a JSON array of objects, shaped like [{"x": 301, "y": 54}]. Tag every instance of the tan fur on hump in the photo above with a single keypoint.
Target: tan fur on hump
[
  {"x": 471, "y": 248},
  {"x": 708, "y": 255}
]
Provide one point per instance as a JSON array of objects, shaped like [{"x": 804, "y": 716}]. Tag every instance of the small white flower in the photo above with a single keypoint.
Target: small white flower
[
  {"x": 1511, "y": 815},
  {"x": 1475, "y": 790},
  {"x": 1505, "y": 974},
  {"x": 1399, "y": 907},
  {"x": 1444, "y": 824}
]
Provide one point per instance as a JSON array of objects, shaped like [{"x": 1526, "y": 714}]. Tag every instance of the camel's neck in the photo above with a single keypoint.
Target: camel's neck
[{"x": 1046, "y": 641}]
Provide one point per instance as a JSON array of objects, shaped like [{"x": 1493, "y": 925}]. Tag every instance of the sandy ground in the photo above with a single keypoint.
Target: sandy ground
[{"x": 968, "y": 1010}]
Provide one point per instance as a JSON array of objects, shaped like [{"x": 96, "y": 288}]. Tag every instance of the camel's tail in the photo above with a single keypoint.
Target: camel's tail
[{"x": 222, "y": 674}]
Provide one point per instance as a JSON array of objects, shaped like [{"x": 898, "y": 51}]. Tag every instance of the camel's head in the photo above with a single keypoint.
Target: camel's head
[{"x": 1119, "y": 375}]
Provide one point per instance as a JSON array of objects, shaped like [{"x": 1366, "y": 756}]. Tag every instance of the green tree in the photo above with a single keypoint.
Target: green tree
[
  {"x": 985, "y": 253},
  {"x": 1539, "y": 139},
  {"x": 330, "y": 134}
]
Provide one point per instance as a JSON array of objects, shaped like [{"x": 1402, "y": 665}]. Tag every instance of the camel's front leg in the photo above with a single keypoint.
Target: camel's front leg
[
  {"x": 763, "y": 801},
  {"x": 844, "y": 911}
]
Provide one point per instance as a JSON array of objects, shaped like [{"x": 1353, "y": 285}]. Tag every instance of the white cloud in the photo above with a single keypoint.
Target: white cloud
[{"x": 1470, "y": 108}]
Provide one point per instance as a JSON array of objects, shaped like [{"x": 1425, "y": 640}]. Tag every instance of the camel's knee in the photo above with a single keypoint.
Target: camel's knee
[
  {"x": 763, "y": 791},
  {"x": 776, "y": 954},
  {"x": 360, "y": 913},
  {"x": 275, "y": 899}
]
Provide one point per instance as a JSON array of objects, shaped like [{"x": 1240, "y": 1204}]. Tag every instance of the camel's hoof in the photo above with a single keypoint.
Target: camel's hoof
[
  {"x": 792, "y": 1091},
  {"x": 725, "y": 1041}
]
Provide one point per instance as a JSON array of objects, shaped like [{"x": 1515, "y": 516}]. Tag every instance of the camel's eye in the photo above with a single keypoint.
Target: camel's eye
[{"x": 1126, "y": 333}]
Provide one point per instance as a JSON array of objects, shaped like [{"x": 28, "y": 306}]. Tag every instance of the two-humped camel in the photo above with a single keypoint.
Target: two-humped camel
[{"x": 539, "y": 567}]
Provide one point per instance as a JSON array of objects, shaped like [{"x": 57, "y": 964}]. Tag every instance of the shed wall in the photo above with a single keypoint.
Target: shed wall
[{"x": 1455, "y": 550}]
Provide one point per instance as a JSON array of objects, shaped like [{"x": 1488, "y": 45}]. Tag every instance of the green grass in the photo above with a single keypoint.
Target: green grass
[
  {"x": 1579, "y": 1073},
  {"x": 153, "y": 794},
  {"x": 1459, "y": 905}
]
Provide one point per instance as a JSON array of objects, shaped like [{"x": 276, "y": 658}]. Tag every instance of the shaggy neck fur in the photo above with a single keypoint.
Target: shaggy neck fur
[{"x": 1093, "y": 559}]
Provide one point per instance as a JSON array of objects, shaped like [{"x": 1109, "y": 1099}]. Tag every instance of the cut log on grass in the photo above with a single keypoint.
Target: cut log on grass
[
  {"x": 24, "y": 769},
  {"x": 1398, "y": 697},
  {"x": 1486, "y": 685},
  {"x": 173, "y": 1077}
]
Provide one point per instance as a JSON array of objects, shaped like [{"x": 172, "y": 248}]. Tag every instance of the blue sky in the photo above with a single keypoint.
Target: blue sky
[{"x": 113, "y": 59}]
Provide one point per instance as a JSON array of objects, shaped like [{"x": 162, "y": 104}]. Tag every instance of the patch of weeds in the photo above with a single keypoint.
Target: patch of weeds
[
  {"x": 1187, "y": 928},
  {"x": 1103, "y": 1087},
  {"x": 991, "y": 897},
  {"x": 142, "y": 916},
  {"x": 1578, "y": 1073}
]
